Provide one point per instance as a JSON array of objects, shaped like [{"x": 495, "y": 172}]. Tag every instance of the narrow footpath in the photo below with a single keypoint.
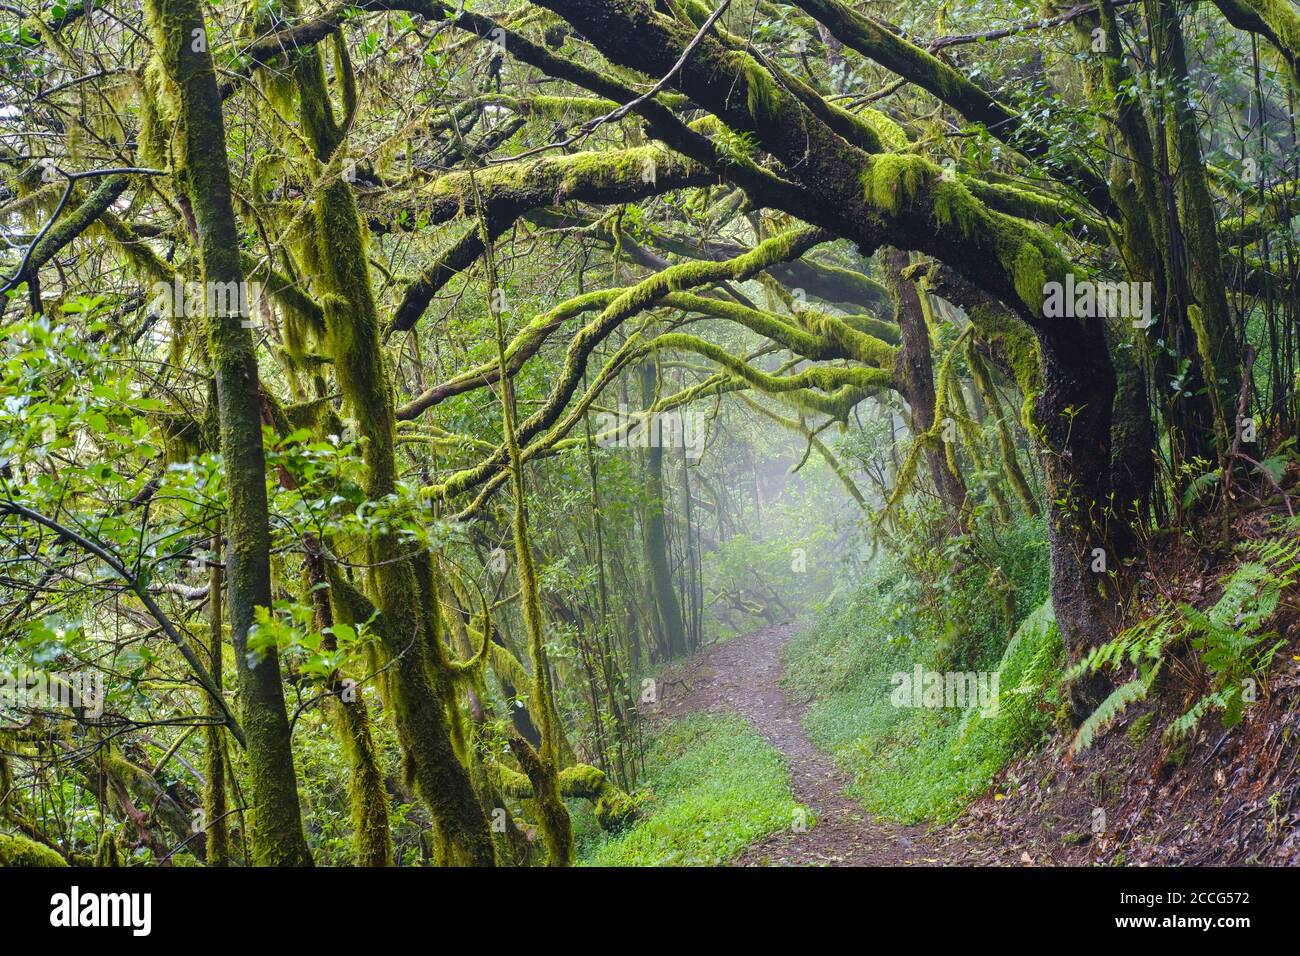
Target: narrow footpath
[{"x": 744, "y": 676}]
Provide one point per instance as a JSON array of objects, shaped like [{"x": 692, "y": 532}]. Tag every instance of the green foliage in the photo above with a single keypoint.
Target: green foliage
[
  {"x": 1230, "y": 640},
  {"x": 716, "y": 787},
  {"x": 912, "y": 764},
  {"x": 932, "y": 764},
  {"x": 1113, "y": 707}
]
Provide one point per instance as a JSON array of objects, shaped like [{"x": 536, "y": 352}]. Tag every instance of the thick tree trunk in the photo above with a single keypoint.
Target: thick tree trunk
[{"x": 1073, "y": 413}]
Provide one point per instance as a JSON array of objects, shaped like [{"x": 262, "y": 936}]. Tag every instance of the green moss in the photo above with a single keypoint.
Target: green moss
[
  {"x": 614, "y": 809},
  {"x": 759, "y": 91},
  {"x": 1284, "y": 21},
  {"x": 889, "y": 180},
  {"x": 565, "y": 107},
  {"x": 892, "y": 180},
  {"x": 20, "y": 851},
  {"x": 984, "y": 385},
  {"x": 108, "y": 853},
  {"x": 954, "y": 205},
  {"x": 1140, "y": 729},
  {"x": 1206, "y": 350},
  {"x": 1027, "y": 272},
  {"x": 1036, "y": 206},
  {"x": 367, "y": 794},
  {"x": 848, "y": 385},
  {"x": 1018, "y": 347},
  {"x": 406, "y": 629},
  {"x": 557, "y": 177},
  {"x": 890, "y": 133}
]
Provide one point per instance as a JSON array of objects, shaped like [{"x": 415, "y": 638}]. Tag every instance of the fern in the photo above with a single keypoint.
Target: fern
[
  {"x": 1229, "y": 638},
  {"x": 1188, "y": 722},
  {"x": 1199, "y": 486},
  {"x": 1147, "y": 639},
  {"x": 1113, "y": 707}
]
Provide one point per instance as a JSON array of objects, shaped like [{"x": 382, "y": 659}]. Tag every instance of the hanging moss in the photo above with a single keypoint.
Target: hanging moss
[
  {"x": 1015, "y": 345},
  {"x": 1030, "y": 278},
  {"x": 926, "y": 439},
  {"x": 759, "y": 92},
  {"x": 890, "y": 180},
  {"x": 954, "y": 204},
  {"x": 1010, "y": 462},
  {"x": 803, "y": 432},
  {"x": 974, "y": 442}
]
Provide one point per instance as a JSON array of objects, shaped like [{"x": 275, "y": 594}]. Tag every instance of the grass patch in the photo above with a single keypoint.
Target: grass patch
[
  {"x": 713, "y": 787},
  {"x": 913, "y": 764},
  {"x": 933, "y": 762}
]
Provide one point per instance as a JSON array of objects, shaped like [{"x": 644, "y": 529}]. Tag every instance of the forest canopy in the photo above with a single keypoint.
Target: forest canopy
[{"x": 392, "y": 390}]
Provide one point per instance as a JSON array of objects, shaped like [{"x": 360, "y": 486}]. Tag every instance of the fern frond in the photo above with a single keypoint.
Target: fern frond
[
  {"x": 1185, "y": 725},
  {"x": 1113, "y": 707}
]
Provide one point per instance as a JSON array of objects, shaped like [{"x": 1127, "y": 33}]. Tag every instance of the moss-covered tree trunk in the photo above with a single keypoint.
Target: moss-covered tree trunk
[
  {"x": 216, "y": 826},
  {"x": 917, "y": 368},
  {"x": 407, "y": 629},
  {"x": 663, "y": 595},
  {"x": 1211, "y": 318},
  {"x": 181, "y": 43},
  {"x": 347, "y": 710}
]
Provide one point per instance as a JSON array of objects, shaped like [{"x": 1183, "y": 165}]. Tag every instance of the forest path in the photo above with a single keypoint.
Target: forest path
[{"x": 744, "y": 675}]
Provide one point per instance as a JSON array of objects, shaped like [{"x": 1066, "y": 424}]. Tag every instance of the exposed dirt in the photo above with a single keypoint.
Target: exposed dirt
[
  {"x": 743, "y": 675},
  {"x": 1230, "y": 798},
  {"x": 1226, "y": 797}
]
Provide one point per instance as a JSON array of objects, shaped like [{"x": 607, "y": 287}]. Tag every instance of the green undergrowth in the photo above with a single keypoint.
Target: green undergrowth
[
  {"x": 713, "y": 787},
  {"x": 916, "y": 763}
]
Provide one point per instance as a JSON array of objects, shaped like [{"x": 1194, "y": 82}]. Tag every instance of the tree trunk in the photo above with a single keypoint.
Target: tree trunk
[
  {"x": 662, "y": 594},
  {"x": 181, "y": 43}
]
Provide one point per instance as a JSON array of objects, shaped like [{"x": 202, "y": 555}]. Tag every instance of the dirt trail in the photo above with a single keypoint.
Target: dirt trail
[{"x": 743, "y": 675}]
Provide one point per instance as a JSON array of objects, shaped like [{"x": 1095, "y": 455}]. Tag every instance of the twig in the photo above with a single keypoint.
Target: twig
[
  {"x": 140, "y": 591},
  {"x": 589, "y": 127}
]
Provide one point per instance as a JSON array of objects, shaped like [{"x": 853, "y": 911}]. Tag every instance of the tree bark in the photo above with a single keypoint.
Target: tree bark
[{"x": 181, "y": 43}]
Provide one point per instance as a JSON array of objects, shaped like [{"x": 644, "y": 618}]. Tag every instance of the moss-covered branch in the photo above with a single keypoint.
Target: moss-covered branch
[
  {"x": 510, "y": 190},
  {"x": 614, "y": 808}
]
